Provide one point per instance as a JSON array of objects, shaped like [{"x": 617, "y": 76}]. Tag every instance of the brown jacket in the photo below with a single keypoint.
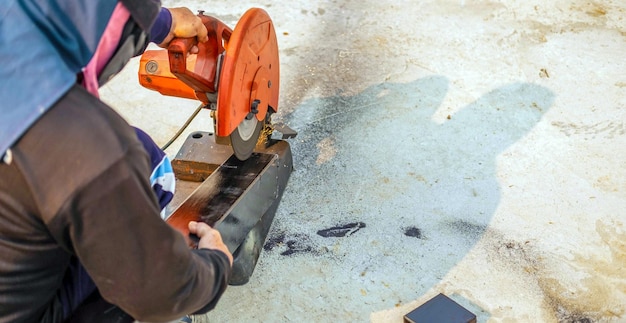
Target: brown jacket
[{"x": 78, "y": 186}]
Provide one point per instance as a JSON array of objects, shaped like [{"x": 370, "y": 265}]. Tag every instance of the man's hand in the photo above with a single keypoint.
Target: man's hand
[
  {"x": 209, "y": 238},
  {"x": 185, "y": 24}
]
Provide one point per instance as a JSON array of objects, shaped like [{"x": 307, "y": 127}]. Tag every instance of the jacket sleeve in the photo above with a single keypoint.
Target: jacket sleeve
[
  {"x": 136, "y": 260},
  {"x": 144, "y": 12},
  {"x": 161, "y": 27}
]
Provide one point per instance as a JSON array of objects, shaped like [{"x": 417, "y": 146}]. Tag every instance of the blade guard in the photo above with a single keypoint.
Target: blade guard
[{"x": 249, "y": 81}]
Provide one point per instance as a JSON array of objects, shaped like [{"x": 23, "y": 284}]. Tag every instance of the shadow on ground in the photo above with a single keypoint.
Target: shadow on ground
[{"x": 385, "y": 199}]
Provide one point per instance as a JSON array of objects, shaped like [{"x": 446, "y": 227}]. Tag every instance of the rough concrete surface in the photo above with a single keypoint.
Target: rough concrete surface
[{"x": 472, "y": 148}]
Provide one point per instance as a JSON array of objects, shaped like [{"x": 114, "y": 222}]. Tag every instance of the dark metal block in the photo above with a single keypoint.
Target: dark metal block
[
  {"x": 238, "y": 198},
  {"x": 440, "y": 309}
]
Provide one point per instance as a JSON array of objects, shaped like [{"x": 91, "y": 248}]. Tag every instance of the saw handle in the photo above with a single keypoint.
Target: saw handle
[
  {"x": 203, "y": 79},
  {"x": 178, "y": 51}
]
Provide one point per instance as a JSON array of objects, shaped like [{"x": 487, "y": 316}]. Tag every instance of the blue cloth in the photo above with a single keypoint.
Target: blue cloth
[
  {"x": 43, "y": 45},
  {"x": 162, "y": 179}
]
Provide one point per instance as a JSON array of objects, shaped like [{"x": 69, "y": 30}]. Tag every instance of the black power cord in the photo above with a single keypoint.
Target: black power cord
[{"x": 185, "y": 125}]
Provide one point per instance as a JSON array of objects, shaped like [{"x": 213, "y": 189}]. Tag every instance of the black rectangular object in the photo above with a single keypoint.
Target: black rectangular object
[
  {"x": 233, "y": 198},
  {"x": 238, "y": 198},
  {"x": 440, "y": 309}
]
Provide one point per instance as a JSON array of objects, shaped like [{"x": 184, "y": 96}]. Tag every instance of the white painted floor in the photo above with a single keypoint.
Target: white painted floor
[{"x": 475, "y": 148}]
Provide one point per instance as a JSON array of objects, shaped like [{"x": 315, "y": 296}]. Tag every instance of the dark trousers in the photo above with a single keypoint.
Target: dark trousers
[{"x": 82, "y": 302}]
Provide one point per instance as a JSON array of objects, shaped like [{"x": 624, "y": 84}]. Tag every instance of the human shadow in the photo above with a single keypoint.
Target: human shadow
[{"x": 393, "y": 198}]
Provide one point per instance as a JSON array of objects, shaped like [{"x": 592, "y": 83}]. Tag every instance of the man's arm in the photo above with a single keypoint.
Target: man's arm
[
  {"x": 111, "y": 218},
  {"x": 210, "y": 239},
  {"x": 136, "y": 260}
]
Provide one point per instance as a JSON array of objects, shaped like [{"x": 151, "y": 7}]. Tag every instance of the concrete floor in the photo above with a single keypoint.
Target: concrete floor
[{"x": 471, "y": 148}]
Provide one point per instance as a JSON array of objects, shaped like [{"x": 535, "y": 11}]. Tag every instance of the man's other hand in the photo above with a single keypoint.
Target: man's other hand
[{"x": 209, "y": 238}]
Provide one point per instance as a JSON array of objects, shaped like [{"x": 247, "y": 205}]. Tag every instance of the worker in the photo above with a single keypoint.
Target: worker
[{"x": 79, "y": 218}]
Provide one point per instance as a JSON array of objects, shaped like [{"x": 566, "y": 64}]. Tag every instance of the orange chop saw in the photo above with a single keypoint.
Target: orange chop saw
[{"x": 235, "y": 74}]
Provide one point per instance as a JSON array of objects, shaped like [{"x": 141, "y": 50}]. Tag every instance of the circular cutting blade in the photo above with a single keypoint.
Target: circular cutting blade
[{"x": 244, "y": 138}]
